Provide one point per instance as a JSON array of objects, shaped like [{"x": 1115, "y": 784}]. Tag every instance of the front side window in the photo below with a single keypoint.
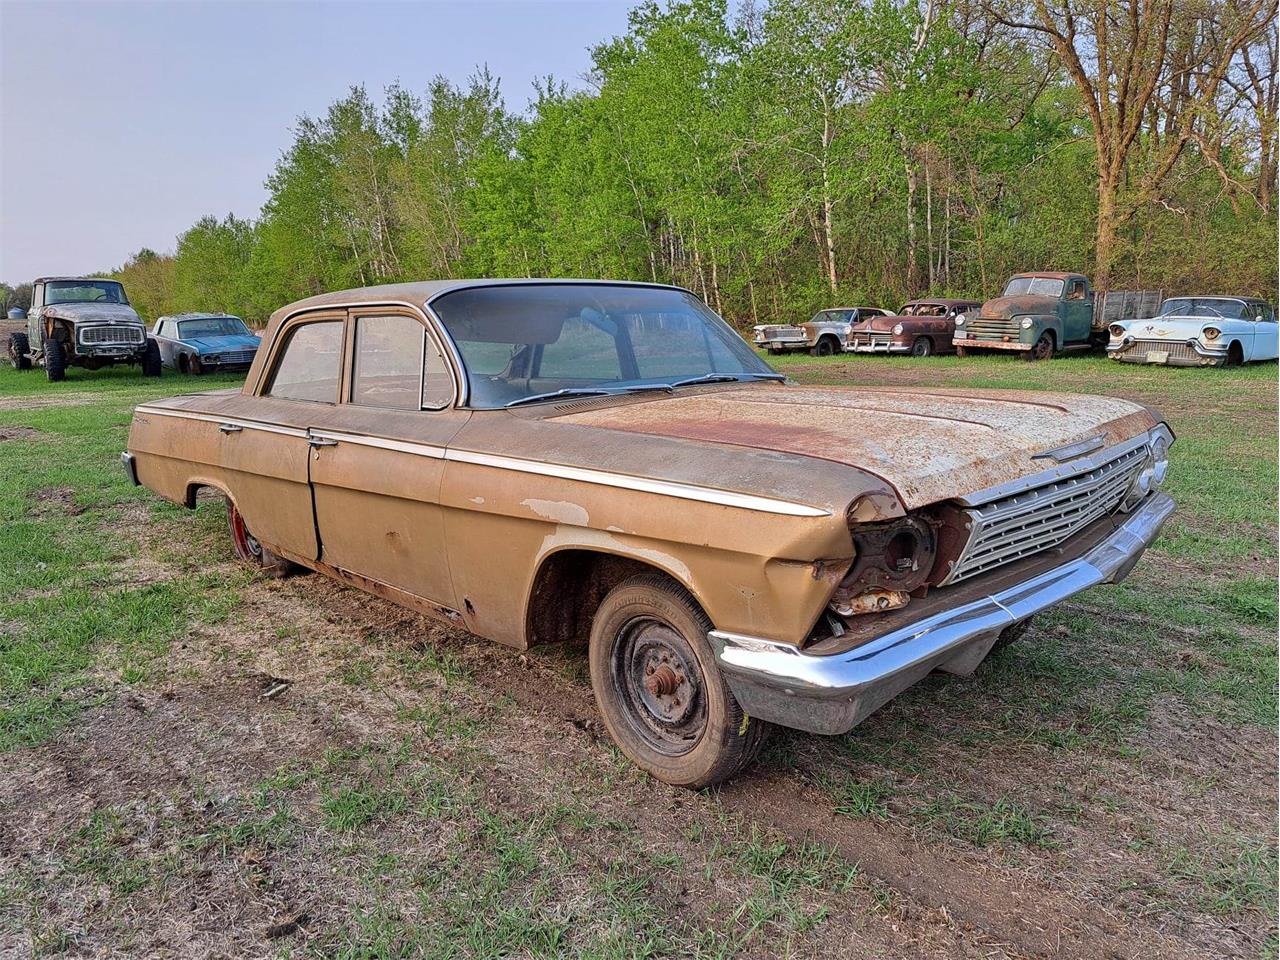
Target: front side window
[
  {"x": 308, "y": 368},
  {"x": 398, "y": 365},
  {"x": 84, "y": 291},
  {"x": 521, "y": 342},
  {"x": 1034, "y": 286}
]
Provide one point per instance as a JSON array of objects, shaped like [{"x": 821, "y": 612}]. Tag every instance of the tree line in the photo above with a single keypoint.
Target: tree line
[{"x": 783, "y": 157}]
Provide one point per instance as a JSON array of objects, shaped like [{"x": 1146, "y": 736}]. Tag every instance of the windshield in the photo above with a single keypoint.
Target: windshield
[
  {"x": 832, "y": 316},
  {"x": 210, "y": 327},
  {"x": 522, "y": 341},
  {"x": 1203, "y": 307},
  {"x": 83, "y": 291},
  {"x": 1036, "y": 286}
]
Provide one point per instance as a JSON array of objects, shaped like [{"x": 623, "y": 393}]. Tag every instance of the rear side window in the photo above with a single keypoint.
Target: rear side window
[{"x": 308, "y": 368}]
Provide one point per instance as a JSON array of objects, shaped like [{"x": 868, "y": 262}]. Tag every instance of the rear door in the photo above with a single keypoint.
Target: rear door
[{"x": 377, "y": 457}]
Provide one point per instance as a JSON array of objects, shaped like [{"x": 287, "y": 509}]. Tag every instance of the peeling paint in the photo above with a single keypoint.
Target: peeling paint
[{"x": 560, "y": 511}]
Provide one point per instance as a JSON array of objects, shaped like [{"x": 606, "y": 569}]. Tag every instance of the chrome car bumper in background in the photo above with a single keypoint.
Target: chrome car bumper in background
[
  {"x": 831, "y": 693},
  {"x": 1171, "y": 353},
  {"x": 876, "y": 346}
]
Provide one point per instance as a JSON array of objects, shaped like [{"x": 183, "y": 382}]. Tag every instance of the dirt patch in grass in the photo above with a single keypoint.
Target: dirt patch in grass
[
  {"x": 17, "y": 433},
  {"x": 56, "y": 500}
]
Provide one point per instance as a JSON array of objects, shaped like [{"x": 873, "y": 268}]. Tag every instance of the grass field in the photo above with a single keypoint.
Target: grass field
[{"x": 201, "y": 762}]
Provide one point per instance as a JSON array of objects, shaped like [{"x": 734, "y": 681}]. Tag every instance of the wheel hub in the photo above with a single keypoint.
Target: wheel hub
[{"x": 658, "y": 675}]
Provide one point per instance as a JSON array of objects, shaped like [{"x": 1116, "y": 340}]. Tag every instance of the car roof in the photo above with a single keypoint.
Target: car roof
[
  {"x": 943, "y": 301},
  {"x": 194, "y": 315},
  {"x": 1051, "y": 275},
  {"x": 1216, "y": 296},
  {"x": 90, "y": 279}
]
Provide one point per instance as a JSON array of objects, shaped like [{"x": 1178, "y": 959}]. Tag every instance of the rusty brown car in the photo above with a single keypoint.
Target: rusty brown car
[
  {"x": 610, "y": 464},
  {"x": 921, "y": 328}
]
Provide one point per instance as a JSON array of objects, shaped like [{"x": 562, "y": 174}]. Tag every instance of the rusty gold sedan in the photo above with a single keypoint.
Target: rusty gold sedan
[{"x": 610, "y": 464}]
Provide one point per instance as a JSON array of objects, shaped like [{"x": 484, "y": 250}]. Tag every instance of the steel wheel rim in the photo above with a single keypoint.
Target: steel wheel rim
[
  {"x": 659, "y": 682},
  {"x": 247, "y": 544},
  {"x": 1043, "y": 347}
]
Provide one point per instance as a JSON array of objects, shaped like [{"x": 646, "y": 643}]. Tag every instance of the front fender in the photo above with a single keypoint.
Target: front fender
[{"x": 1039, "y": 324}]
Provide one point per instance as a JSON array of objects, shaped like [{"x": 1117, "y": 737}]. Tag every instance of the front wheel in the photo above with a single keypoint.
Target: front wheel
[
  {"x": 660, "y": 693},
  {"x": 825, "y": 347},
  {"x": 921, "y": 347},
  {"x": 1043, "y": 348},
  {"x": 249, "y": 550},
  {"x": 55, "y": 360},
  {"x": 151, "y": 365},
  {"x": 20, "y": 351}
]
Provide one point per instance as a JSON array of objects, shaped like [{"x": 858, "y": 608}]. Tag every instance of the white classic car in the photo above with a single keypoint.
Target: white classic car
[
  {"x": 826, "y": 333},
  {"x": 1199, "y": 332}
]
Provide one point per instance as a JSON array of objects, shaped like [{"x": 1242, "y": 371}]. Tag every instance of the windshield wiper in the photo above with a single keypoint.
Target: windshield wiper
[
  {"x": 566, "y": 392},
  {"x": 726, "y": 378}
]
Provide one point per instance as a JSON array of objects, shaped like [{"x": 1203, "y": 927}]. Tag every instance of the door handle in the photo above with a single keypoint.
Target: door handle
[
  {"x": 321, "y": 442},
  {"x": 230, "y": 427}
]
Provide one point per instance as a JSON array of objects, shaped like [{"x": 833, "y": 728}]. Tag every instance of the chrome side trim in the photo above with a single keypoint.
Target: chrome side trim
[
  {"x": 830, "y": 694},
  {"x": 234, "y": 421},
  {"x": 667, "y": 488},
  {"x": 382, "y": 443}
]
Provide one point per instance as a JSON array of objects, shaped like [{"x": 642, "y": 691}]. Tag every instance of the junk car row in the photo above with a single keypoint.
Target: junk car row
[{"x": 88, "y": 322}]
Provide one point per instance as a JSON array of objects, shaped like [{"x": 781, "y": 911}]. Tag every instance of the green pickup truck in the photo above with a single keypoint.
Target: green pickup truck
[{"x": 1040, "y": 314}]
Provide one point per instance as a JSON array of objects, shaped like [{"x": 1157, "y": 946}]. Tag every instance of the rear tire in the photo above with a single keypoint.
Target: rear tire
[
  {"x": 20, "y": 351},
  {"x": 151, "y": 365},
  {"x": 660, "y": 693},
  {"x": 55, "y": 361},
  {"x": 921, "y": 347},
  {"x": 249, "y": 550}
]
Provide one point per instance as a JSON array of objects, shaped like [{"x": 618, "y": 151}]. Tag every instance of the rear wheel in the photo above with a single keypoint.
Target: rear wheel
[
  {"x": 19, "y": 351},
  {"x": 55, "y": 360},
  {"x": 660, "y": 693},
  {"x": 921, "y": 347},
  {"x": 1043, "y": 349},
  {"x": 249, "y": 550}
]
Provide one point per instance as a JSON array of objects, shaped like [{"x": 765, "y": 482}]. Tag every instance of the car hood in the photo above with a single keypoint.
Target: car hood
[
  {"x": 90, "y": 312},
  {"x": 1173, "y": 328},
  {"x": 1018, "y": 306},
  {"x": 928, "y": 445},
  {"x": 231, "y": 341}
]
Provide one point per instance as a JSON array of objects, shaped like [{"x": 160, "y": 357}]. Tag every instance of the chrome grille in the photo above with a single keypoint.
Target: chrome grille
[
  {"x": 1138, "y": 349},
  {"x": 111, "y": 335},
  {"x": 237, "y": 356},
  {"x": 992, "y": 328},
  {"x": 782, "y": 333},
  {"x": 1036, "y": 519}
]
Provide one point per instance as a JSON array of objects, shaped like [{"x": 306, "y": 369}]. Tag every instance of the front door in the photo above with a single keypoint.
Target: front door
[
  {"x": 377, "y": 458},
  {"x": 1077, "y": 312}
]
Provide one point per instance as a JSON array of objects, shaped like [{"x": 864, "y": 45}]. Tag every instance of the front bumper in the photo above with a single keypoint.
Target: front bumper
[
  {"x": 832, "y": 693},
  {"x": 1189, "y": 353},
  {"x": 795, "y": 343},
  {"x": 863, "y": 345},
  {"x": 992, "y": 344}
]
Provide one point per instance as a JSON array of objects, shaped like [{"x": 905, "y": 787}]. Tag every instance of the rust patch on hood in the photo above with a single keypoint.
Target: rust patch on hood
[
  {"x": 928, "y": 445},
  {"x": 1020, "y": 305}
]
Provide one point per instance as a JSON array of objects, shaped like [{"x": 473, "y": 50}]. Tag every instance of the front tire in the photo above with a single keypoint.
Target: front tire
[
  {"x": 921, "y": 347},
  {"x": 659, "y": 690},
  {"x": 55, "y": 361},
  {"x": 19, "y": 351},
  {"x": 1042, "y": 350},
  {"x": 825, "y": 347},
  {"x": 151, "y": 365}
]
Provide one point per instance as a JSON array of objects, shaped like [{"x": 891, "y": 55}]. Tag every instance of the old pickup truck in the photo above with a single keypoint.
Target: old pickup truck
[
  {"x": 82, "y": 322},
  {"x": 609, "y": 464},
  {"x": 1039, "y": 314}
]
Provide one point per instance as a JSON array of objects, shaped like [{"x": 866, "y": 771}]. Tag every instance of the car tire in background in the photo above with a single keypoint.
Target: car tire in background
[
  {"x": 825, "y": 347},
  {"x": 921, "y": 347},
  {"x": 19, "y": 351},
  {"x": 659, "y": 689},
  {"x": 55, "y": 360},
  {"x": 194, "y": 366},
  {"x": 151, "y": 364}
]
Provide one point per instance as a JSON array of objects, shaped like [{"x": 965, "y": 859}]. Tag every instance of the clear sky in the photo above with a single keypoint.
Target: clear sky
[{"x": 122, "y": 123}]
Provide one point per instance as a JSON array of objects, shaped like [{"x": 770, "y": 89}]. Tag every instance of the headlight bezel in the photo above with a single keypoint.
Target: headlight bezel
[
  {"x": 1210, "y": 333},
  {"x": 1026, "y": 323},
  {"x": 897, "y": 329},
  {"x": 960, "y": 320},
  {"x": 1117, "y": 331},
  {"x": 1154, "y": 470}
]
